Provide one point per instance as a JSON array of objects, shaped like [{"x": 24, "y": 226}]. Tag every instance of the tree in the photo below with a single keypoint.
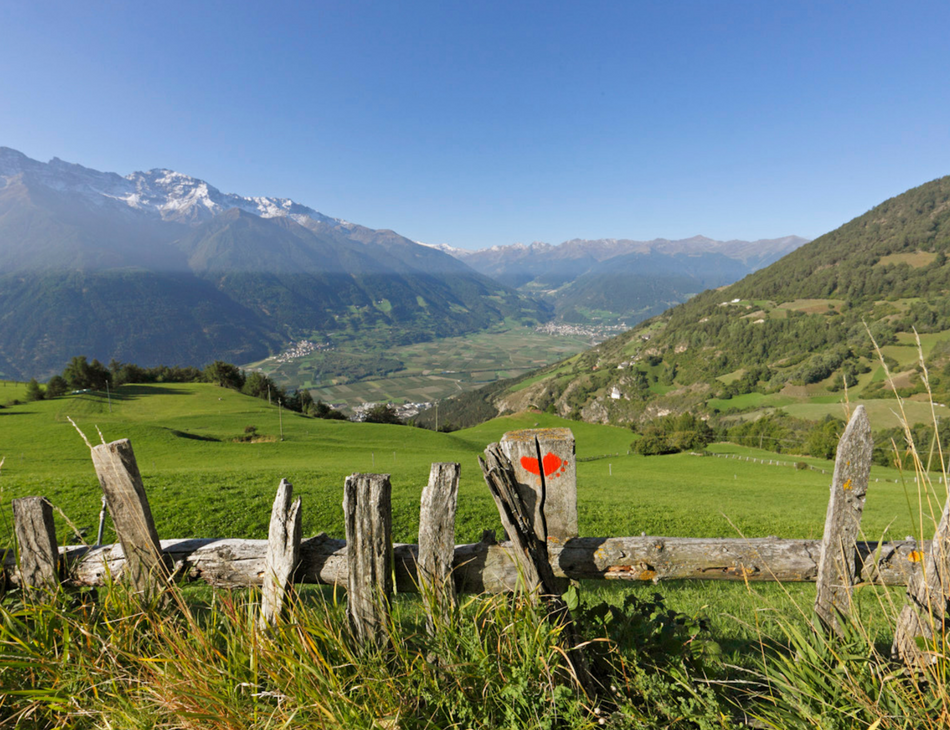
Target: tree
[
  {"x": 33, "y": 390},
  {"x": 322, "y": 410},
  {"x": 56, "y": 387},
  {"x": 224, "y": 374},
  {"x": 76, "y": 373},
  {"x": 822, "y": 440},
  {"x": 382, "y": 413},
  {"x": 672, "y": 434},
  {"x": 256, "y": 384},
  {"x": 82, "y": 374},
  {"x": 300, "y": 401},
  {"x": 127, "y": 373}
]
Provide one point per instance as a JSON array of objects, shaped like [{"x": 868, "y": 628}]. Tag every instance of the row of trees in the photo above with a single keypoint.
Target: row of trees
[
  {"x": 778, "y": 432},
  {"x": 81, "y": 374},
  {"x": 672, "y": 434}
]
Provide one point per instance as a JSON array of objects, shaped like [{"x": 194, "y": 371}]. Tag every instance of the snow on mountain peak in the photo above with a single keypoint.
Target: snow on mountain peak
[
  {"x": 458, "y": 253},
  {"x": 166, "y": 193}
]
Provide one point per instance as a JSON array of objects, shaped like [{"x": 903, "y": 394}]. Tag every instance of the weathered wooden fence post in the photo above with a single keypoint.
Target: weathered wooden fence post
[
  {"x": 121, "y": 482},
  {"x": 928, "y": 592},
  {"x": 367, "y": 512},
  {"x": 36, "y": 538},
  {"x": 283, "y": 552},
  {"x": 546, "y": 476},
  {"x": 529, "y": 545},
  {"x": 437, "y": 541},
  {"x": 849, "y": 486}
]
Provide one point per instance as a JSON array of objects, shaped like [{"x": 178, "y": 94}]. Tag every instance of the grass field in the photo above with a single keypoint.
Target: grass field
[
  {"x": 431, "y": 370},
  {"x": 10, "y": 391},
  {"x": 883, "y": 413},
  {"x": 202, "y": 483}
]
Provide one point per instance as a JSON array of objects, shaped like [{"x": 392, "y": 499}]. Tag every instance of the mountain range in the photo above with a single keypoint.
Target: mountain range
[
  {"x": 613, "y": 280},
  {"x": 159, "y": 267}
]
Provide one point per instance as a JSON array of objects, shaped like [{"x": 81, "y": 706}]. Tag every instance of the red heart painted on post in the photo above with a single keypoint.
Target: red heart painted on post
[
  {"x": 551, "y": 463},
  {"x": 531, "y": 465}
]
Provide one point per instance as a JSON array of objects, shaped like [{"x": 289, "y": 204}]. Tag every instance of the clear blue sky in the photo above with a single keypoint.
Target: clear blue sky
[{"x": 484, "y": 123}]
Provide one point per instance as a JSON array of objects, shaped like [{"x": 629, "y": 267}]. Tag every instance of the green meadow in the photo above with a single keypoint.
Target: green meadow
[
  {"x": 203, "y": 481},
  {"x": 10, "y": 391}
]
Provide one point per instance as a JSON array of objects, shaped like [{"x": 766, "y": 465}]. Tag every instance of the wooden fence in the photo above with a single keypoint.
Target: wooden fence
[{"x": 532, "y": 478}]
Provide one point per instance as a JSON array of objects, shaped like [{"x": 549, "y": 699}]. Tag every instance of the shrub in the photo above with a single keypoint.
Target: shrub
[{"x": 33, "y": 391}]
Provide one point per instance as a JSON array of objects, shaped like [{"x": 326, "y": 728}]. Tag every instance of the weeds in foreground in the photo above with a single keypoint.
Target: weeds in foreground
[
  {"x": 84, "y": 661},
  {"x": 829, "y": 682}
]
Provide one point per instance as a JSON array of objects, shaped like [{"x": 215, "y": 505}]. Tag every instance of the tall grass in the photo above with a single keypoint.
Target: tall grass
[
  {"x": 814, "y": 678},
  {"x": 81, "y": 660}
]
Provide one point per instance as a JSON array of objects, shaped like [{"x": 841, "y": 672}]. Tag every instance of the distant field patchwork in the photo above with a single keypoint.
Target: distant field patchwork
[{"x": 430, "y": 370}]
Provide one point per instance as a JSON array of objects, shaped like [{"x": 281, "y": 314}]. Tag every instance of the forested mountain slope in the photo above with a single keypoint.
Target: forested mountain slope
[{"x": 794, "y": 331}]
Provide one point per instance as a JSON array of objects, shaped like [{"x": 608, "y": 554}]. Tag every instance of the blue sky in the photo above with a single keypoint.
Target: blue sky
[{"x": 484, "y": 123}]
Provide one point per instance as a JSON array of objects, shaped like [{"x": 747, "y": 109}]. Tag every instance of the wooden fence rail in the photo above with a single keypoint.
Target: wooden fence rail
[{"x": 487, "y": 567}]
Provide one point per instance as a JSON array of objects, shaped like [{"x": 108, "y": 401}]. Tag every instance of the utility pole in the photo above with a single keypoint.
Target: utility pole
[
  {"x": 280, "y": 416},
  {"x": 109, "y": 396}
]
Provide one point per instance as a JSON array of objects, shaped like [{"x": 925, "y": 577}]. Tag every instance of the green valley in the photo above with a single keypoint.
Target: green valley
[{"x": 353, "y": 371}]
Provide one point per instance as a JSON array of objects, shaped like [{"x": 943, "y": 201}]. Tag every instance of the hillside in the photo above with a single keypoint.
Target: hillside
[
  {"x": 158, "y": 267},
  {"x": 637, "y": 286},
  {"x": 204, "y": 480},
  {"x": 786, "y": 336},
  {"x": 201, "y": 481}
]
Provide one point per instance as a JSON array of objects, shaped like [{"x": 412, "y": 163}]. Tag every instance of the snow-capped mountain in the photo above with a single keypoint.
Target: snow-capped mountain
[
  {"x": 459, "y": 253},
  {"x": 160, "y": 267},
  {"x": 169, "y": 195}
]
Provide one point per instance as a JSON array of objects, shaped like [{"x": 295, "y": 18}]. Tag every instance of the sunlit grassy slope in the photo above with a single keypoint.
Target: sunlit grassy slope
[
  {"x": 201, "y": 482},
  {"x": 10, "y": 391}
]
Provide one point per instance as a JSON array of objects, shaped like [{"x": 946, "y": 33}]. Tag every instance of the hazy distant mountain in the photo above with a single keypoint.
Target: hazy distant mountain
[
  {"x": 161, "y": 267},
  {"x": 632, "y": 280}
]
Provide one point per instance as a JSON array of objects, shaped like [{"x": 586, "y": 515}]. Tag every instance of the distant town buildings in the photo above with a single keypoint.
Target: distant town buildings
[
  {"x": 301, "y": 349},
  {"x": 404, "y": 411},
  {"x": 599, "y": 333}
]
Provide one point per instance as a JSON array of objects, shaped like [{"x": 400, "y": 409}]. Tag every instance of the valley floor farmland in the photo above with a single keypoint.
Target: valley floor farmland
[{"x": 425, "y": 371}]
